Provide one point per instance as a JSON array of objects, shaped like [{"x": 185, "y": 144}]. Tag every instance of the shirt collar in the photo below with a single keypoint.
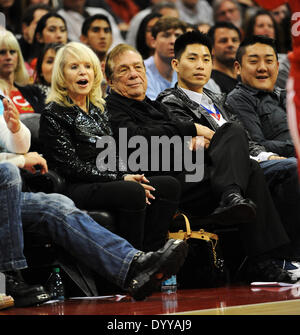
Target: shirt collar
[
  {"x": 200, "y": 98},
  {"x": 254, "y": 91}
]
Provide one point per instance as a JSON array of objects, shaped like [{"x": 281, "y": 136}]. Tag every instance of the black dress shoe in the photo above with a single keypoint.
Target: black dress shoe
[
  {"x": 148, "y": 270},
  {"x": 234, "y": 209},
  {"x": 23, "y": 294},
  {"x": 268, "y": 271}
]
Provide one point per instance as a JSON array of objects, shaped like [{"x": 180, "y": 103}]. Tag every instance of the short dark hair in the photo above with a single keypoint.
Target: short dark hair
[
  {"x": 167, "y": 22},
  {"x": 190, "y": 37},
  {"x": 253, "y": 40},
  {"x": 222, "y": 24},
  {"x": 88, "y": 21},
  {"x": 28, "y": 15}
]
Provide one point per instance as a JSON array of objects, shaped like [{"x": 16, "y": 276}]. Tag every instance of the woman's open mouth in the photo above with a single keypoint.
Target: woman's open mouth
[{"x": 82, "y": 82}]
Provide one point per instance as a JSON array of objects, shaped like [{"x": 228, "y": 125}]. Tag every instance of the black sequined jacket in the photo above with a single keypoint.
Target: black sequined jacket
[{"x": 69, "y": 135}]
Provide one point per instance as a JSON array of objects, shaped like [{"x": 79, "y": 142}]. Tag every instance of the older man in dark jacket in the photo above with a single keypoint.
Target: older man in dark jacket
[{"x": 227, "y": 162}]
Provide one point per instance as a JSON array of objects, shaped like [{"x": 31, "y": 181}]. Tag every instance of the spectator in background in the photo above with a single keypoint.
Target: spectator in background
[
  {"x": 263, "y": 23},
  {"x": 103, "y": 4},
  {"x": 43, "y": 70},
  {"x": 226, "y": 38},
  {"x": 96, "y": 33},
  {"x": 13, "y": 11},
  {"x": 159, "y": 70},
  {"x": 280, "y": 13},
  {"x": 194, "y": 11},
  {"x": 282, "y": 16},
  {"x": 51, "y": 28},
  {"x": 14, "y": 76},
  {"x": 229, "y": 11},
  {"x": 29, "y": 21},
  {"x": 75, "y": 12},
  {"x": 167, "y": 8},
  {"x": 137, "y": 19},
  {"x": 144, "y": 38}
]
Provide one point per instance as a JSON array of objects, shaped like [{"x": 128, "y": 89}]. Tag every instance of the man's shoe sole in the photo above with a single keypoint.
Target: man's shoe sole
[{"x": 169, "y": 264}]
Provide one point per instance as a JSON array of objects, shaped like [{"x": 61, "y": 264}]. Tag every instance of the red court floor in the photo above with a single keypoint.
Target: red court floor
[{"x": 231, "y": 300}]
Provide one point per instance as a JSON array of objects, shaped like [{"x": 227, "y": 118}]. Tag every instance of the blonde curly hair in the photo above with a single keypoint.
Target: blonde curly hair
[{"x": 58, "y": 92}]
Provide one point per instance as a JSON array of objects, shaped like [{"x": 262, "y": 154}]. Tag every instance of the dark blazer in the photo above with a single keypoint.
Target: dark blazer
[
  {"x": 148, "y": 119},
  {"x": 264, "y": 116}
]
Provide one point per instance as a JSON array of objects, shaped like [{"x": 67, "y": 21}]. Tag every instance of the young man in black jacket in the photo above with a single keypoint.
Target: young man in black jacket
[{"x": 228, "y": 177}]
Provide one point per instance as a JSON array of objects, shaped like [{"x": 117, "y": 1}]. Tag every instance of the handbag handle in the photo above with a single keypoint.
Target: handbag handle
[
  {"x": 187, "y": 223},
  {"x": 201, "y": 234}
]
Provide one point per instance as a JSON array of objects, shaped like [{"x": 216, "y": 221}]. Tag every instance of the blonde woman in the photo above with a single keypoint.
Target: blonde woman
[
  {"x": 14, "y": 76},
  {"x": 73, "y": 120}
]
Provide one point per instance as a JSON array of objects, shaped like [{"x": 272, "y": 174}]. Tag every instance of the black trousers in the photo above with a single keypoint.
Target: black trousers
[
  {"x": 144, "y": 226},
  {"x": 227, "y": 163}
]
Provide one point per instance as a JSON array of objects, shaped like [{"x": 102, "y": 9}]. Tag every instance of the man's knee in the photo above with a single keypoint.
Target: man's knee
[
  {"x": 53, "y": 203},
  {"x": 231, "y": 132},
  {"x": 9, "y": 174},
  {"x": 166, "y": 187}
]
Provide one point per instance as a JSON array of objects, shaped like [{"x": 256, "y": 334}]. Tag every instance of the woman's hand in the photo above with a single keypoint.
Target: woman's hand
[
  {"x": 140, "y": 178},
  {"x": 11, "y": 116}
]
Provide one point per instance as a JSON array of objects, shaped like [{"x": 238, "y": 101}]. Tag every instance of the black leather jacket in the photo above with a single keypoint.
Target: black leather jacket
[
  {"x": 69, "y": 137},
  {"x": 186, "y": 109}
]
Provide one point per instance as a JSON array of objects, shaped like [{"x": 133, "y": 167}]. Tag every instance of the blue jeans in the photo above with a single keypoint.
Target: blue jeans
[
  {"x": 282, "y": 179},
  {"x": 55, "y": 216}
]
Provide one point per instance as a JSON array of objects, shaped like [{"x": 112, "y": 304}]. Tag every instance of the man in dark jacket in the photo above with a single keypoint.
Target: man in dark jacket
[
  {"x": 228, "y": 176},
  {"x": 260, "y": 107},
  {"x": 190, "y": 101}
]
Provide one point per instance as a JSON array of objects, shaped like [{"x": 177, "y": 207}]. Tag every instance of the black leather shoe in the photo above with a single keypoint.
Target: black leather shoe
[
  {"x": 149, "y": 269},
  {"x": 23, "y": 294},
  {"x": 268, "y": 271},
  {"x": 234, "y": 209}
]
